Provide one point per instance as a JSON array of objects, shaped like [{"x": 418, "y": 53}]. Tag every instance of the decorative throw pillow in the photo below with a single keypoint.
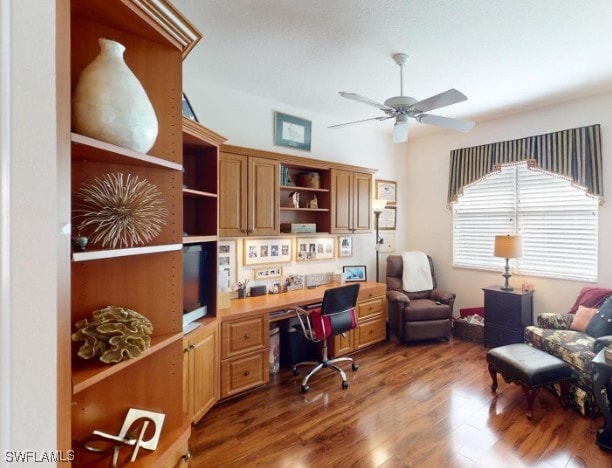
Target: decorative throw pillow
[
  {"x": 601, "y": 323},
  {"x": 582, "y": 318}
]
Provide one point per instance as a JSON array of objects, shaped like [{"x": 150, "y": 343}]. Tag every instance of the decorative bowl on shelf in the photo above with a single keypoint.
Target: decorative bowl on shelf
[{"x": 309, "y": 180}]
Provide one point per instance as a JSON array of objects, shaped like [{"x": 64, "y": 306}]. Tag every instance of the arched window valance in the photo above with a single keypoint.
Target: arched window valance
[{"x": 573, "y": 153}]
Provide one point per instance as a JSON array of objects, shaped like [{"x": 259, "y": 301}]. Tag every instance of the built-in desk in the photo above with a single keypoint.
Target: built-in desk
[{"x": 245, "y": 329}]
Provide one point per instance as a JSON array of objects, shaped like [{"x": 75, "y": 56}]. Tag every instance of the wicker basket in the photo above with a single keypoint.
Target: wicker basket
[{"x": 468, "y": 331}]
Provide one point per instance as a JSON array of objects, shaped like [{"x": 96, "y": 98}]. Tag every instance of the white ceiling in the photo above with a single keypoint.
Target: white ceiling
[{"x": 505, "y": 55}]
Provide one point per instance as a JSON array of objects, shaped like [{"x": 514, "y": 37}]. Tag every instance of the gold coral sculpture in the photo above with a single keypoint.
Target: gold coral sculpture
[
  {"x": 121, "y": 212},
  {"x": 114, "y": 333}
]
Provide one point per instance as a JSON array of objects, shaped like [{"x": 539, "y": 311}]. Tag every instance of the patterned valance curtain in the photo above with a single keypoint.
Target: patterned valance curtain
[{"x": 574, "y": 154}]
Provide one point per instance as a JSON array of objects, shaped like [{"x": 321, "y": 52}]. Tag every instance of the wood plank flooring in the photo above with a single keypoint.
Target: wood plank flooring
[{"x": 423, "y": 405}]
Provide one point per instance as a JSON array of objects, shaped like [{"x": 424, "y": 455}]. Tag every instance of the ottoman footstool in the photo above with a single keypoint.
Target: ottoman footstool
[{"x": 530, "y": 368}]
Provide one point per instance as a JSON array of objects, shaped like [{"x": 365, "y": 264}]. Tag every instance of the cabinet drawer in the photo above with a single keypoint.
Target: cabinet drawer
[
  {"x": 244, "y": 336},
  {"x": 243, "y": 373},
  {"x": 370, "y": 332},
  {"x": 498, "y": 336},
  {"x": 502, "y": 309},
  {"x": 369, "y": 309},
  {"x": 370, "y": 293}
]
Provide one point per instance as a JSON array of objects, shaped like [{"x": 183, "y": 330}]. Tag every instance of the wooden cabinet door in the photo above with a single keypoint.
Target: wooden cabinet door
[
  {"x": 344, "y": 343},
  {"x": 342, "y": 201},
  {"x": 187, "y": 379},
  {"x": 264, "y": 194},
  {"x": 362, "y": 202},
  {"x": 233, "y": 171},
  {"x": 205, "y": 380},
  {"x": 351, "y": 208}
]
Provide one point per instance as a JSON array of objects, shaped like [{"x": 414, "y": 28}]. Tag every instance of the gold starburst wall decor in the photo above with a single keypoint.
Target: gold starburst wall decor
[{"x": 120, "y": 211}]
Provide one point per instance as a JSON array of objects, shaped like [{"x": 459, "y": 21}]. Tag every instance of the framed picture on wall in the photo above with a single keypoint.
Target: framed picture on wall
[
  {"x": 292, "y": 131},
  {"x": 226, "y": 252},
  {"x": 387, "y": 190},
  {"x": 268, "y": 273},
  {"x": 315, "y": 248},
  {"x": 262, "y": 251},
  {"x": 345, "y": 246},
  {"x": 388, "y": 218}
]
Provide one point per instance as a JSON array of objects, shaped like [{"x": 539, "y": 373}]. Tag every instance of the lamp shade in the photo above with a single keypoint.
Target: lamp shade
[
  {"x": 507, "y": 247},
  {"x": 378, "y": 205}
]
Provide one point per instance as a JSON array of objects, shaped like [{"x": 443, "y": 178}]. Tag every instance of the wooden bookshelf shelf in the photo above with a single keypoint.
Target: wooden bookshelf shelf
[
  {"x": 198, "y": 194},
  {"x": 115, "y": 253},
  {"x": 90, "y": 149},
  {"x": 90, "y": 372}
]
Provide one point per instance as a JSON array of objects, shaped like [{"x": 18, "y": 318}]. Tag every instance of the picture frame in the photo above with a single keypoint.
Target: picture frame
[
  {"x": 388, "y": 218},
  {"x": 291, "y": 131},
  {"x": 263, "y": 251},
  {"x": 268, "y": 273},
  {"x": 188, "y": 110},
  {"x": 386, "y": 190},
  {"x": 354, "y": 273},
  {"x": 315, "y": 248},
  {"x": 226, "y": 258},
  {"x": 345, "y": 246}
]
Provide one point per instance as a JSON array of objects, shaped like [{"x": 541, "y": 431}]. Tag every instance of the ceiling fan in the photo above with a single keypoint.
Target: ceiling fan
[{"x": 403, "y": 107}]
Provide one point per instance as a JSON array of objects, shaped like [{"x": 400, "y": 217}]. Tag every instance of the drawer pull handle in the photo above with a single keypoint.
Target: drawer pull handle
[
  {"x": 186, "y": 457},
  {"x": 247, "y": 336},
  {"x": 246, "y": 372}
]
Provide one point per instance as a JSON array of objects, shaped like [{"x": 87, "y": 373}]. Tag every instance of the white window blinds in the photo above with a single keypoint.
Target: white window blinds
[{"x": 557, "y": 223}]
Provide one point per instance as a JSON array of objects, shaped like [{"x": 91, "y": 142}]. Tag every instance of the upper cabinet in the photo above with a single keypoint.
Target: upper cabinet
[
  {"x": 248, "y": 196},
  {"x": 351, "y": 202},
  {"x": 145, "y": 277},
  {"x": 267, "y": 194}
]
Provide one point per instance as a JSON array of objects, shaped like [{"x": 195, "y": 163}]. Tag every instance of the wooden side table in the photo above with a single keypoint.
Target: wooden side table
[
  {"x": 603, "y": 380},
  {"x": 507, "y": 313}
]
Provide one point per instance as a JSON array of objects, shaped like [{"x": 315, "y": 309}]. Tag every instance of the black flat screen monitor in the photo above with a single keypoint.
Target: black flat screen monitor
[{"x": 194, "y": 283}]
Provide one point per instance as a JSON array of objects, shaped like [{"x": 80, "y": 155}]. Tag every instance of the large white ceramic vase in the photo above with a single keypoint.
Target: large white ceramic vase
[{"x": 110, "y": 104}]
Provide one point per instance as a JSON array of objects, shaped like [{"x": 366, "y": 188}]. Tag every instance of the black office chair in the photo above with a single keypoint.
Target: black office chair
[{"x": 336, "y": 316}]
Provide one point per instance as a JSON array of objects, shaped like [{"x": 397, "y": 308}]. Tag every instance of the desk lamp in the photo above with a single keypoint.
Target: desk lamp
[
  {"x": 377, "y": 206},
  {"x": 507, "y": 247}
]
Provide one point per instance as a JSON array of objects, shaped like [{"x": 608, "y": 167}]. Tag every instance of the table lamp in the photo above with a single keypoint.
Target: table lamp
[
  {"x": 507, "y": 247},
  {"x": 377, "y": 206}
]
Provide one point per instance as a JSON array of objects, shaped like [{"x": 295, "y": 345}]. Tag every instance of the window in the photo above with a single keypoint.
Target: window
[{"x": 557, "y": 223}]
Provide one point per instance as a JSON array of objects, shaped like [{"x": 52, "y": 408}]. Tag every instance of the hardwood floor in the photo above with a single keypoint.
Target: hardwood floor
[{"x": 426, "y": 404}]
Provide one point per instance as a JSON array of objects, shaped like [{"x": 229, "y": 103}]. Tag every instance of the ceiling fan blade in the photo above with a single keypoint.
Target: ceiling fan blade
[
  {"x": 365, "y": 100},
  {"x": 400, "y": 132},
  {"x": 446, "y": 122},
  {"x": 384, "y": 117},
  {"x": 446, "y": 98}
]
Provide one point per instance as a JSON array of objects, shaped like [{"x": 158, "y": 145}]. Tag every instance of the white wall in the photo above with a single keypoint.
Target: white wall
[
  {"x": 421, "y": 169},
  {"x": 429, "y": 222},
  {"x": 30, "y": 231},
  {"x": 247, "y": 120}
]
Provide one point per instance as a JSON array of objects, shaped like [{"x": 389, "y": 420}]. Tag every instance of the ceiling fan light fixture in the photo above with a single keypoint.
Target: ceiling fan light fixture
[{"x": 400, "y": 131}]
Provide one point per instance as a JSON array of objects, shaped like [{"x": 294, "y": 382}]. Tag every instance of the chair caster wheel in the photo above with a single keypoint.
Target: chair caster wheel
[
  {"x": 305, "y": 388},
  {"x": 355, "y": 366},
  {"x": 344, "y": 384},
  {"x": 295, "y": 372}
]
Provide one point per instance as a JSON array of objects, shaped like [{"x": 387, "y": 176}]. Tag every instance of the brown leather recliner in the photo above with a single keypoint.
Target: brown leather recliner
[{"x": 417, "y": 315}]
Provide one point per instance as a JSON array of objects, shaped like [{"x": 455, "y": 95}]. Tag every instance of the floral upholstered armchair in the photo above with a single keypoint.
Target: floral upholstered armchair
[{"x": 576, "y": 337}]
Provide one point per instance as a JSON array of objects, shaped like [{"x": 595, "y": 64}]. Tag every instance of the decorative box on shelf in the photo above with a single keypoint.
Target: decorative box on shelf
[{"x": 299, "y": 227}]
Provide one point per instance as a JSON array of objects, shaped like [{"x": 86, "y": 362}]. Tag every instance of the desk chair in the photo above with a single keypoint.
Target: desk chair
[{"x": 336, "y": 316}]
